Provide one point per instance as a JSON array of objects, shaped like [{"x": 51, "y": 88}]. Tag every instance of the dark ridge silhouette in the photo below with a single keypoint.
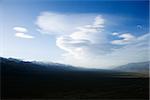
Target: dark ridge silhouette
[{"x": 30, "y": 80}]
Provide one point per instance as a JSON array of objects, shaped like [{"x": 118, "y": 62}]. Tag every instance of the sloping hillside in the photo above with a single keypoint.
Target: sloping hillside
[{"x": 28, "y": 80}]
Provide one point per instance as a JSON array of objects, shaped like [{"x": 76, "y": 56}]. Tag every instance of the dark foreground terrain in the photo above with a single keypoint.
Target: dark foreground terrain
[{"x": 26, "y": 80}]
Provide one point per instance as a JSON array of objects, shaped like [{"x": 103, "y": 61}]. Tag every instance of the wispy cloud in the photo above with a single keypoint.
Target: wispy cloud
[
  {"x": 23, "y": 35},
  {"x": 20, "y": 29},
  {"x": 21, "y": 32},
  {"x": 125, "y": 39},
  {"x": 115, "y": 33}
]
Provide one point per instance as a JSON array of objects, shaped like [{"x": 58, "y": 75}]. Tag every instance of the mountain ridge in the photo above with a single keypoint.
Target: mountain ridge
[{"x": 39, "y": 67}]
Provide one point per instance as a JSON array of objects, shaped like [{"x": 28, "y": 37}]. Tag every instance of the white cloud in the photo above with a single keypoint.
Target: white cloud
[
  {"x": 58, "y": 23},
  {"x": 85, "y": 41},
  {"x": 20, "y": 29},
  {"x": 90, "y": 32},
  {"x": 99, "y": 22},
  {"x": 115, "y": 33},
  {"x": 23, "y": 35},
  {"x": 126, "y": 38},
  {"x": 21, "y": 32}
]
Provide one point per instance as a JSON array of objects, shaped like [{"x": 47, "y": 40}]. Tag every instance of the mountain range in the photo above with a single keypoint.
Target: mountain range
[{"x": 140, "y": 67}]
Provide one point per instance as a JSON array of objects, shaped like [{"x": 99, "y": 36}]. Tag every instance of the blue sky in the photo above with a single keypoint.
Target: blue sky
[{"x": 76, "y": 31}]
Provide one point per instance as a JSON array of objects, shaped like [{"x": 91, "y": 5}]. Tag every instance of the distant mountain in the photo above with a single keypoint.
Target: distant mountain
[{"x": 141, "y": 67}]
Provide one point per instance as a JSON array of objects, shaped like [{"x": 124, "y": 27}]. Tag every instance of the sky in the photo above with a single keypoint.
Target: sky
[{"x": 85, "y": 33}]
